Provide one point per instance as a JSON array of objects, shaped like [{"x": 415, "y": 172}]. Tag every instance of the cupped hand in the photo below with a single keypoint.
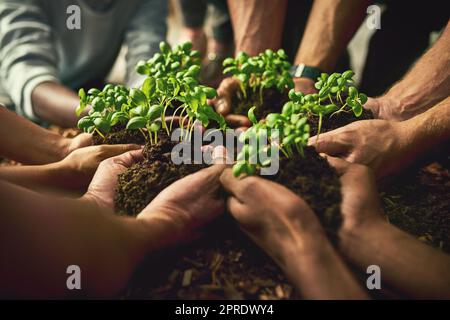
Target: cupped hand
[
  {"x": 80, "y": 165},
  {"x": 223, "y": 103},
  {"x": 80, "y": 141},
  {"x": 272, "y": 216},
  {"x": 190, "y": 203},
  {"x": 386, "y": 108},
  {"x": 384, "y": 146},
  {"x": 102, "y": 188}
]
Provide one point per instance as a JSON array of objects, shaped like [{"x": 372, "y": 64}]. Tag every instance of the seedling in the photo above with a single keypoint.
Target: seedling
[
  {"x": 179, "y": 62},
  {"x": 255, "y": 74},
  {"x": 333, "y": 89},
  {"x": 286, "y": 131}
]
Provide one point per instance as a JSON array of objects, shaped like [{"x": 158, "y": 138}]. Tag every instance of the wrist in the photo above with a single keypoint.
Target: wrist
[{"x": 63, "y": 147}]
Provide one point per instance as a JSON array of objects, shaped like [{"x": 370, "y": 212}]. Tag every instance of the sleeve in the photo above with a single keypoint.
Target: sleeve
[
  {"x": 27, "y": 55},
  {"x": 148, "y": 27}
]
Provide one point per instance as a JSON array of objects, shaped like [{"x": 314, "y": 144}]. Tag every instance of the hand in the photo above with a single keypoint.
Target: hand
[
  {"x": 360, "y": 201},
  {"x": 80, "y": 141},
  {"x": 305, "y": 85},
  {"x": 190, "y": 203},
  {"x": 80, "y": 165},
  {"x": 272, "y": 216},
  {"x": 103, "y": 185},
  {"x": 382, "y": 145},
  {"x": 223, "y": 103},
  {"x": 387, "y": 109}
]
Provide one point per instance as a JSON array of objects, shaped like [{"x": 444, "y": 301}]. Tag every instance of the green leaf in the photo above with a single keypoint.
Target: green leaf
[
  {"x": 149, "y": 87},
  {"x": 155, "y": 112},
  {"x": 84, "y": 123},
  {"x": 102, "y": 124},
  {"x": 92, "y": 92},
  {"x": 362, "y": 98},
  {"x": 352, "y": 92},
  {"x": 239, "y": 168},
  {"x": 228, "y": 62},
  {"x": 155, "y": 126},
  {"x": 136, "y": 123},
  {"x": 98, "y": 104},
  {"x": 138, "y": 97},
  {"x": 118, "y": 117},
  {"x": 211, "y": 93},
  {"x": 357, "y": 109},
  {"x": 251, "y": 115},
  {"x": 164, "y": 47}
]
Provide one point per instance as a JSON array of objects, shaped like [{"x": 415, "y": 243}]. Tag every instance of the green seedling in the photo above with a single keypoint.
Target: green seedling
[
  {"x": 286, "y": 131},
  {"x": 267, "y": 70},
  {"x": 179, "y": 62},
  {"x": 332, "y": 90}
]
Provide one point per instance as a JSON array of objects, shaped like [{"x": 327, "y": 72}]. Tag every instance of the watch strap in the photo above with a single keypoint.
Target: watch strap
[{"x": 304, "y": 71}]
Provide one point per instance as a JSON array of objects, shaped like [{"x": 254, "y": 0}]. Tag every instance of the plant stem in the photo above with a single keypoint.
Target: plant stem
[
  {"x": 319, "y": 128},
  {"x": 101, "y": 134}
]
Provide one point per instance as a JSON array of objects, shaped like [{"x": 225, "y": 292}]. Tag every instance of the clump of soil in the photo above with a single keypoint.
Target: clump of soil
[
  {"x": 119, "y": 135},
  {"x": 335, "y": 121},
  {"x": 313, "y": 179},
  {"x": 143, "y": 181},
  {"x": 273, "y": 101}
]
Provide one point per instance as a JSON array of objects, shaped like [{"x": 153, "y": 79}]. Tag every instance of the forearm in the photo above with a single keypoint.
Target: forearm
[
  {"x": 55, "y": 103},
  {"x": 406, "y": 264},
  {"x": 68, "y": 232},
  {"x": 427, "y": 83},
  {"x": 330, "y": 27},
  {"x": 30, "y": 143},
  {"x": 257, "y": 24},
  {"x": 319, "y": 272}
]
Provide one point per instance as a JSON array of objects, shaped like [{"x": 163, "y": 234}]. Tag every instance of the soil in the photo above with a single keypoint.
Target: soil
[
  {"x": 337, "y": 121},
  {"x": 119, "y": 135},
  {"x": 143, "y": 181},
  {"x": 317, "y": 183},
  {"x": 273, "y": 101}
]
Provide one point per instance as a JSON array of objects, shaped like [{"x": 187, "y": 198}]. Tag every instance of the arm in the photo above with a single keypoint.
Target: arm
[
  {"x": 73, "y": 173},
  {"x": 287, "y": 229},
  {"x": 148, "y": 27},
  {"x": 257, "y": 24},
  {"x": 366, "y": 238},
  {"x": 38, "y": 226},
  {"x": 426, "y": 84},
  {"x": 32, "y": 144},
  {"x": 85, "y": 232},
  {"x": 331, "y": 25},
  {"x": 400, "y": 143},
  {"x": 28, "y": 68}
]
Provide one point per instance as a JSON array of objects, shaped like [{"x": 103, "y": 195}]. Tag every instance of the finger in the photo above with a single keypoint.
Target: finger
[
  {"x": 129, "y": 158},
  {"x": 226, "y": 90},
  {"x": 234, "y": 186},
  {"x": 328, "y": 143},
  {"x": 340, "y": 165},
  {"x": 236, "y": 121},
  {"x": 220, "y": 156},
  {"x": 85, "y": 139},
  {"x": 109, "y": 151},
  {"x": 236, "y": 208}
]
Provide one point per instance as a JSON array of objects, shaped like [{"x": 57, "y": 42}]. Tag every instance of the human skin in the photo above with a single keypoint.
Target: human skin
[
  {"x": 407, "y": 265},
  {"x": 55, "y": 103},
  {"x": 73, "y": 173},
  {"x": 330, "y": 27},
  {"x": 40, "y": 225},
  {"x": 388, "y": 146},
  {"x": 288, "y": 231},
  {"x": 32, "y": 144},
  {"x": 425, "y": 85}
]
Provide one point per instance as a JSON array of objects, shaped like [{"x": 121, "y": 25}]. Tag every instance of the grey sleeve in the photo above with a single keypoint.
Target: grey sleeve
[
  {"x": 27, "y": 55},
  {"x": 148, "y": 27}
]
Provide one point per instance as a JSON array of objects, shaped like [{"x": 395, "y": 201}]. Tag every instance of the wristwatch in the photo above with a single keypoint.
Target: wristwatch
[{"x": 304, "y": 71}]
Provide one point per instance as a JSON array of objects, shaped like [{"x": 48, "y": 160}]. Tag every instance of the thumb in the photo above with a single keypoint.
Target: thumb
[
  {"x": 327, "y": 143},
  {"x": 226, "y": 90},
  {"x": 116, "y": 149}
]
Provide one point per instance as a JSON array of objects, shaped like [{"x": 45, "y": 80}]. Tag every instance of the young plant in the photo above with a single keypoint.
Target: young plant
[
  {"x": 333, "y": 89},
  {"x": 108, "y": 108},
  {"x": 179, "y": 62},
  {"x": 186, "y": 99},
  {"x": 287, "y": 131},
  {"x": 255, "y": 74}
]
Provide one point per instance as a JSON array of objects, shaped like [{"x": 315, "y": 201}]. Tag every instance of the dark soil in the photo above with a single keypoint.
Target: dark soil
[
  {"x": 119, "y": 135},
  {"x": 337, "y": 121},
  {"x": 273, "y": 101},
  {"x": 143, "y": 181},
  {"x": 316, "y": 182}
]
